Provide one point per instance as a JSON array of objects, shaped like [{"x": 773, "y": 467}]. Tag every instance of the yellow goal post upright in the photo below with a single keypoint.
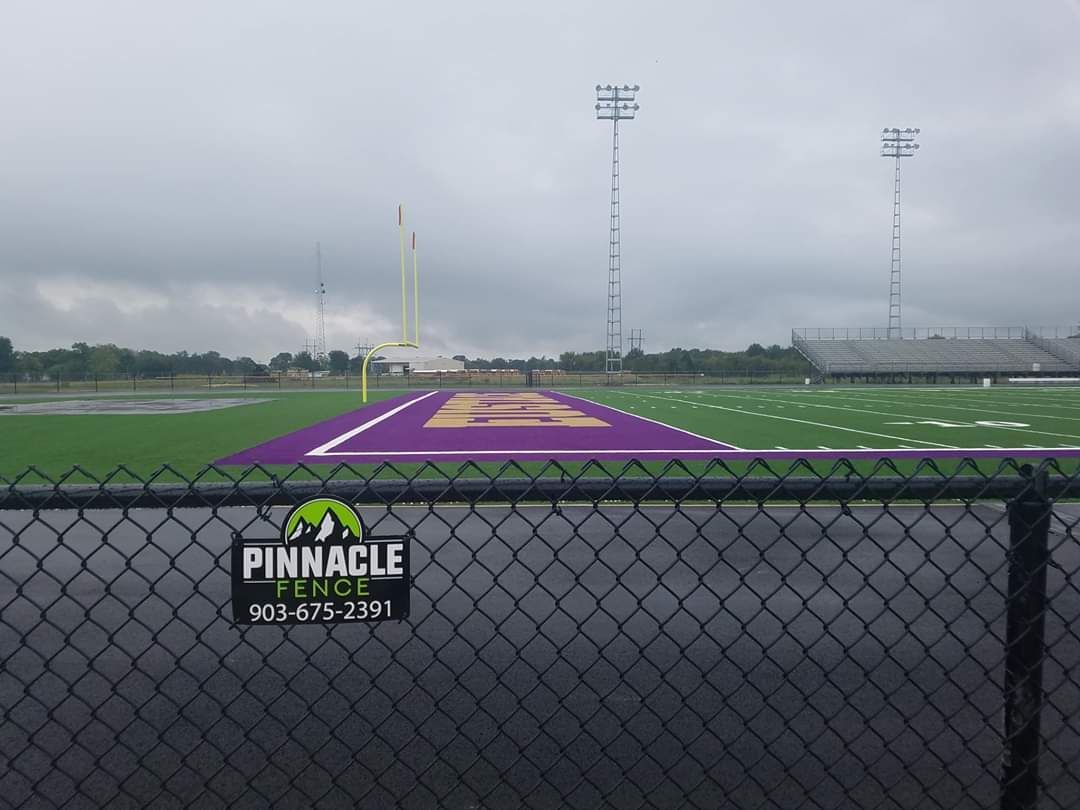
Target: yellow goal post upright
[{"x": 404, "y": 342}]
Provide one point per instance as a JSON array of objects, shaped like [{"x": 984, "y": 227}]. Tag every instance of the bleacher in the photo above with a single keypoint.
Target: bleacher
[
  {"x": 985, "y": 350},
  {"x": 1067, "y": 349}
]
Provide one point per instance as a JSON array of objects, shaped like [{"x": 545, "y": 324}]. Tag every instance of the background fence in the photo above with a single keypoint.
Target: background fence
[
  {"x": 598, "y": 638},
  {"x": 120, "y": 383}
]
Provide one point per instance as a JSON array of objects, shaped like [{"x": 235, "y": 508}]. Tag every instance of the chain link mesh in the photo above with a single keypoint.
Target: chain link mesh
[{"x": 602, "y": 636}]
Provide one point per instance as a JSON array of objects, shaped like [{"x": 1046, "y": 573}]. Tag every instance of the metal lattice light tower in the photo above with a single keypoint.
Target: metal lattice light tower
[
  {"x": 615, "y": 104},
  {"x": 896, "y": 143},
  {"x": 318, "y": 352}
]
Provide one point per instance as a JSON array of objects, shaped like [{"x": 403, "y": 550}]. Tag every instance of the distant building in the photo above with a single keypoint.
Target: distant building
[
  {"x": 433, "y": 364},
  {"x": 418, "y": 365},
  {"x": 296, "y": 371}
]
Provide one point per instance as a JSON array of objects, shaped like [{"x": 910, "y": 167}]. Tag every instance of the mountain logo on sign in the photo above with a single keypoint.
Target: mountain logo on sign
[{"x": 320, "y": 521}]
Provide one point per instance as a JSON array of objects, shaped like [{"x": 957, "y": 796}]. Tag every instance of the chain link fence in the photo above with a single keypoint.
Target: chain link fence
[
  {"x": 586, "y": 637},
  {"x": 119, "y": 383}
]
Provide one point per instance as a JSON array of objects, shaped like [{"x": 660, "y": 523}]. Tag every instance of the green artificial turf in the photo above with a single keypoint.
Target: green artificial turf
[
  {"x": 864, "y": 418},
  {"x": 833, "y": 418},
  {"x": 186, "y": 441}
]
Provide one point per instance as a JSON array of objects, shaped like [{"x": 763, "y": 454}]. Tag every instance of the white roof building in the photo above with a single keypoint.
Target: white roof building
[{"x": 419, "y": 365}]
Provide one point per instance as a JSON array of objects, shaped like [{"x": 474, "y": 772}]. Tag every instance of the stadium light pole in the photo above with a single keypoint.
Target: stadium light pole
[
  {"x": 896, "y": 143},
  {"x": 614, "y": 103},
  {"x": 318, "y": 351}
]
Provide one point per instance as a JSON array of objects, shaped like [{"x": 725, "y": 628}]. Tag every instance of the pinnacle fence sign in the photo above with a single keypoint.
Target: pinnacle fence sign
[{"x": 324, "y": 568}]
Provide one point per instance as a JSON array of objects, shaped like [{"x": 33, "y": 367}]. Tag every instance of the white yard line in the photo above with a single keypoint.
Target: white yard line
[
  {"x": 929, "y": 402},
  {"x": 805, "y": 422},
  {"x": 324, "y": 449},
  {"x": 647, "y": 419},
  {"x": 999, "y": 395},
  {"x": 923, "y": 416}
]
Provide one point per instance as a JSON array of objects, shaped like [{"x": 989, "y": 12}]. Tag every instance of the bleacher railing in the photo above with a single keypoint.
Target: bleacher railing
[{"x": 914, "y": 333}]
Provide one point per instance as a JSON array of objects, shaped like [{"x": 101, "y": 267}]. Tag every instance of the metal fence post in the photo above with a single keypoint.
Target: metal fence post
[{"x": 1028, "y": 555}]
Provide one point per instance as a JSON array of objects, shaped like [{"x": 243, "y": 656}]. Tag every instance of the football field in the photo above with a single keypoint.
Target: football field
[
  {"x": 653, "y": 425},
  {"x": 932, "y": 422}
]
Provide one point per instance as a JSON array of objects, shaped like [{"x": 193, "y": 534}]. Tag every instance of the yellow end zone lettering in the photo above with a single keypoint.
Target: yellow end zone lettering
[{"x": 509, "y": 410}]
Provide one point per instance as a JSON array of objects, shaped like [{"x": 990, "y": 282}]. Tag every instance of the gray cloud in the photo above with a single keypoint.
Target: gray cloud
[{"x": 165, "y": 172}]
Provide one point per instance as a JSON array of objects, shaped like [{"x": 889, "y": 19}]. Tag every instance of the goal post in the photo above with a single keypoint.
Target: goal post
[{"x": 404, "y": 343}]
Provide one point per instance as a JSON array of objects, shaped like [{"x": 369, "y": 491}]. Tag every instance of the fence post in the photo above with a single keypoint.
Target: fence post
[
  {"x": 1028, "y": 555},
  {"x": 58, "y": 382},
  {"x": 95, "y": 384}
]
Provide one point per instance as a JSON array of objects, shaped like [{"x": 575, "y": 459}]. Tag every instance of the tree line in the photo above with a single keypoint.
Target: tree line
[
  {"x": 83, "y": 360},
  {"x": 104, "y": 359},
  {"x": 700, "y": 361}
]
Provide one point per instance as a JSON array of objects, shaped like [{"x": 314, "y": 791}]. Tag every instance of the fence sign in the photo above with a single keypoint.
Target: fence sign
[{"x": 324, "y": 568}]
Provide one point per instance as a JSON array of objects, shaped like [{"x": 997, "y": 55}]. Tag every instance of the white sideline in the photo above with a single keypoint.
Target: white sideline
[
  {"x": 324, "y": 449},
  {"x": 711, "y": 453},
  {"x": 654, "y": 421}
]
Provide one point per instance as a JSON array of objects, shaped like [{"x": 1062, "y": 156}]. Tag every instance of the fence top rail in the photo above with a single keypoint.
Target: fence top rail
[{"x": 761, "y": 485}]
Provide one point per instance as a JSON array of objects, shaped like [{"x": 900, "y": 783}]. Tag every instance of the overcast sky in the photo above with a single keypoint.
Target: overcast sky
[{"x": 166, "y": 169}]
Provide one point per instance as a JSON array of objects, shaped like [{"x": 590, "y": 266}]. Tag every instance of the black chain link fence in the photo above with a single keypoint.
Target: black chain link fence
[{"x": 588, "y": 638}]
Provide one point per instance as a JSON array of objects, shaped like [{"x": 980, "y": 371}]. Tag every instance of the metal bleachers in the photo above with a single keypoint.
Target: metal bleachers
[
  {"x": 1068, "y": 349},
  {"x": 1020, "y": 353}
]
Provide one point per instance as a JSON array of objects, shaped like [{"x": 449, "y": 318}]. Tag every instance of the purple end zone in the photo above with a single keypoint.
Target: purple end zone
[{"x": 394, "y": 430}]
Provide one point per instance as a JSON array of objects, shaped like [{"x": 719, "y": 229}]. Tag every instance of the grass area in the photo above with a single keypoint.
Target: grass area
[
  {"x": 820, "y": 418},
  {"x": 838, "y": 419},
  {"x": 865, "y": 418},
  {"x": 144, "y": 442}
]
